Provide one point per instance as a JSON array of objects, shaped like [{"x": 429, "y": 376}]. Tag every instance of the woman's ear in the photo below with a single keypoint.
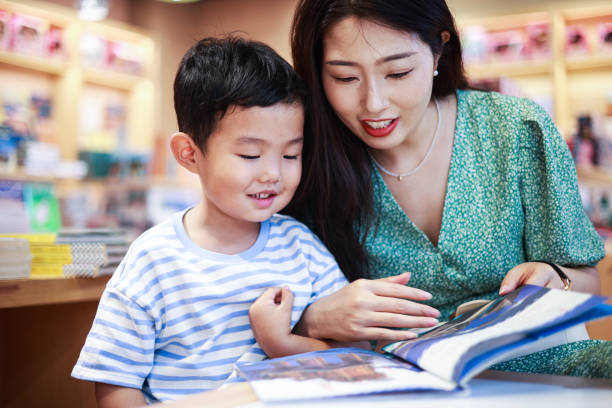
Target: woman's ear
[
  {"x": 185, "y": 151},
  {"x": 444, "y": 36}
]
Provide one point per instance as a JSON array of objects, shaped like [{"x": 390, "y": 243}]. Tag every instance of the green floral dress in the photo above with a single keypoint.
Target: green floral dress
[{"x": 511, "y": 197}]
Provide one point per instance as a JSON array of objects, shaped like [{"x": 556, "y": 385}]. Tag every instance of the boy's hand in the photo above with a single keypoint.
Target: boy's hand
[{"x": 270, "y": 316}]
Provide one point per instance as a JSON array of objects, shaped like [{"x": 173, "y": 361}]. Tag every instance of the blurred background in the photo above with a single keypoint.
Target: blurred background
[
  {"x": 83, "y": 102},
  {"x": 86, "y": 113}
]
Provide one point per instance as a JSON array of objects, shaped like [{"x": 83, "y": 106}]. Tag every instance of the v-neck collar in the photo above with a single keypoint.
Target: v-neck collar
[{"x": 386, "y": 193}]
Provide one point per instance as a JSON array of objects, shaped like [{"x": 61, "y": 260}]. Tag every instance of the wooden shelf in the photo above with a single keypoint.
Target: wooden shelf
[
  {"x": 36, "y": 292},
  {"x": 589, "y": 63},
  {"x": 111, "y": 79},
  {"x": 37, "y": 64},
  {"x": 508, "y": 69},
  {"x": 589, "y": 13},
  {"x": 498, "y": 23},
  {"x": 25, "y": 177},
  {"x": 532, "y": 68},
  {"x": 594, "y": 176},
  {"x": 130, "y": 183}
]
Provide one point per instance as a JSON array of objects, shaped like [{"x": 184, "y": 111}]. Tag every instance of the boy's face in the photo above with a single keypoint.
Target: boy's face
[{"x": 252, "y": 163}]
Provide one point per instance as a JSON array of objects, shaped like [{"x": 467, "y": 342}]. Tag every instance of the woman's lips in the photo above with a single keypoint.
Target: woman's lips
[{"x": 379, "y": 128}]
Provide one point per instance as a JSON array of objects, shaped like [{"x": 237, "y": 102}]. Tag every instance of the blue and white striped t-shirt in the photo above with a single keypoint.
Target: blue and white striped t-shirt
[{"x": 173, "y": 319}]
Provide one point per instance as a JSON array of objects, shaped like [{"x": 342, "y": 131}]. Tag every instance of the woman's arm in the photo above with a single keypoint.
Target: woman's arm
[
  {"x": 368, "y": 310},
  {"x": 584, "y": 279},
  {"x": 114, "y": 396}
]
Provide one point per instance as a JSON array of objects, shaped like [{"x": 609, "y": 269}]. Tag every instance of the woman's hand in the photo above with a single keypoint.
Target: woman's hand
[
  {"x": 584, "y": 279},
  {"x": 270, "y": 317},
  {"x": 368, "y": 310}
]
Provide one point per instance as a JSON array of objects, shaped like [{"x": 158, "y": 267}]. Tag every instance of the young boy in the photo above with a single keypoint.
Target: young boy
[{"x": 174, "y": 318}]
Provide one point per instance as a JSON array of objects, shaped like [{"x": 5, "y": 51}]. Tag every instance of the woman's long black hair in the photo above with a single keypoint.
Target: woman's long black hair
[{"x": 335, "y": 197}]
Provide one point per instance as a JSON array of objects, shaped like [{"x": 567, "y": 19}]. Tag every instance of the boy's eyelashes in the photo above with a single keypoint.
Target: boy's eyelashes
[{"x": 248, "y": 157}]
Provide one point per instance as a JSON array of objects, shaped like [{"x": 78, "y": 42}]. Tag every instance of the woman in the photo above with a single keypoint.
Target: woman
[{"x": 472, "y": 193}]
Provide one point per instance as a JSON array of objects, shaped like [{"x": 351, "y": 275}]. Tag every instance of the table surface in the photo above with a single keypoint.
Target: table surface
[
  {"x": 489, "y": 389},
  {"x": 39, "y": 292}
]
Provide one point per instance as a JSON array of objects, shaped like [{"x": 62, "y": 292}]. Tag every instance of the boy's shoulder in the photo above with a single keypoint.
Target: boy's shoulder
[
  {"x": 165, "y": 231},
  {"x": 160, "y": 241},
  {"x": 287, "y": 223},
  {"x": 288, "y": 228}
]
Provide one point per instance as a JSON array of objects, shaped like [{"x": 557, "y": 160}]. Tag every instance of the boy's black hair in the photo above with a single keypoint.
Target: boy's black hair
[{"x": 217, "y": 74}]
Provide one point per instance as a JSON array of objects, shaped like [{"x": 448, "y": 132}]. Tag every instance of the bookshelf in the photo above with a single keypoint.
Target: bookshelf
[
  {"x": 576, "y": 83},
  {"x": 73, "y": 71}
]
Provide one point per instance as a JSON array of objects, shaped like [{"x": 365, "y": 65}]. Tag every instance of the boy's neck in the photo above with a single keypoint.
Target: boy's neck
[{"x": 217, "y": 235}]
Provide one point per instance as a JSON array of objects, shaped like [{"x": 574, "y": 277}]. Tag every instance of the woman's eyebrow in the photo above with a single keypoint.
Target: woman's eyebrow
[{"x": 378, "y": 62}]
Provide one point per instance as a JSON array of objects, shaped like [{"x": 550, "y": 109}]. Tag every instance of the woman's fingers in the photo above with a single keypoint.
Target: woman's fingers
[
  {"x": 402, "y": 278},
  {"x": 403, "y": 307},
  {"x": 389, "y": 289},
  {"x": 532, "y": 273},
  {"x": 383, "y": 334},
  {"x": 513, "y": 279},
  {"x": 402, "y": 321}
]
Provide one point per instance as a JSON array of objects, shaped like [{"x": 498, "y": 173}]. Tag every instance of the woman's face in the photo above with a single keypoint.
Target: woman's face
[{"x": 378, "y": 80}]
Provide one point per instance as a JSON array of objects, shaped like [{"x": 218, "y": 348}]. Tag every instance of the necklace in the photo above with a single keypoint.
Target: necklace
[{"x": 400, "y": 176}]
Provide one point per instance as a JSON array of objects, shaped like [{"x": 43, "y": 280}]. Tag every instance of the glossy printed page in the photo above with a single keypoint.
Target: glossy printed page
[
  {"x": 476, "y": 339},
  {"x": 336, "y": 372}
]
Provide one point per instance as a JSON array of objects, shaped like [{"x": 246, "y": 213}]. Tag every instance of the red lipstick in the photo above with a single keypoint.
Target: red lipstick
[{"x": 379, "y": 132}]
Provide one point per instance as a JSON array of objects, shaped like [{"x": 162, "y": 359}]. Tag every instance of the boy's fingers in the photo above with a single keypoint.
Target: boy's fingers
[
  {"x": 270, "y": 295},
  {"x": 287, "y": 295}
]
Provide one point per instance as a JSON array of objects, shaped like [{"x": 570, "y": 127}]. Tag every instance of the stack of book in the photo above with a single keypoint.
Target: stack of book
[
  {"x": 15, "y": 258},
  {"x": 56, "y": 260},
  {"x": 75, "y": 253},
  {"x": 115, "y": 244}
]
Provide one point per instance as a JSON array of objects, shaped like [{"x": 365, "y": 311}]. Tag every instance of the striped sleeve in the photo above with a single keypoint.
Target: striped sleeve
[
  {"x": 120, "y": 346},
  {"x": 327, "y": 277}
]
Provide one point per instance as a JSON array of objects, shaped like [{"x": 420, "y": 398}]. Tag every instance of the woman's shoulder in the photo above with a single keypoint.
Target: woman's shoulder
[{"x": 489, "y": 103}]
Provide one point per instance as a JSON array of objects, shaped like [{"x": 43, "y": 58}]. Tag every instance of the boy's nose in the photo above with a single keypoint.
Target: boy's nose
[{"x": 271, "y": 174}]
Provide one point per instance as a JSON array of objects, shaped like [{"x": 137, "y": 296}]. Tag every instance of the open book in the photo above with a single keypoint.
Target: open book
[{"x": 443, "y": 358}]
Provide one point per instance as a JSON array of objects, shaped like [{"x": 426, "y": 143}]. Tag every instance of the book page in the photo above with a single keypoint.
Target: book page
[
  {"x": 336, "y": 372},
  {"x": 448, "y": 350}
]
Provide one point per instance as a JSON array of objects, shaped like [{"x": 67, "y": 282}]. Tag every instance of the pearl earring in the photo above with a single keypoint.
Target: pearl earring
[{"x": 436, "y": 73}]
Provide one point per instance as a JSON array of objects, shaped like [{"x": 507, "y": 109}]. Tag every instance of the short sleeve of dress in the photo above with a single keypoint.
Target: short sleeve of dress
[{"x": 556, "y": 226}]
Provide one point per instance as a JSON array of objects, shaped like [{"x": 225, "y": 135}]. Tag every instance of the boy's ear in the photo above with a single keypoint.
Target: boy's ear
[{"x": 185, "y": 151}]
